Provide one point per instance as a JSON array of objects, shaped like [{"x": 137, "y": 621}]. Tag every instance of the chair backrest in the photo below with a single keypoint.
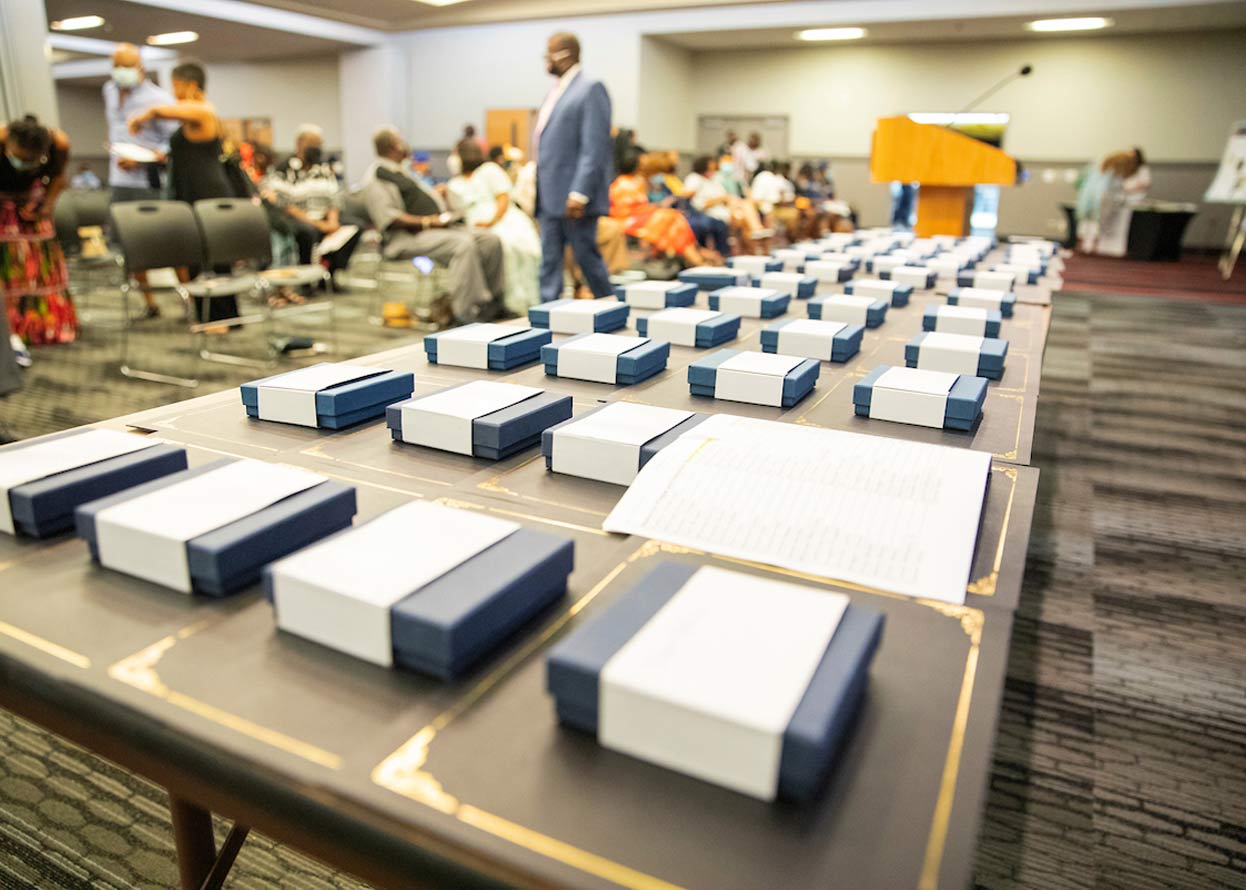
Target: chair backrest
[
  {"x": 234, "y": 230},
  {"x": 91, "y": 205},
  {"x": 65, "y": 218},
  {"x": 156, "y": 234}
]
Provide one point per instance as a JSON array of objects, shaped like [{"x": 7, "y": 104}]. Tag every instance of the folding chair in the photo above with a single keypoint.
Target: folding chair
[
  {"x": 75, "y": 210},
  {"x": 236, "y": 230},
  {"x": 162, "y": 234}
]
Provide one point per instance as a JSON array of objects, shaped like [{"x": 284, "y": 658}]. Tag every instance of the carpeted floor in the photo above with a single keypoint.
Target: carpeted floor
[{"x": 1121, "y": 756}]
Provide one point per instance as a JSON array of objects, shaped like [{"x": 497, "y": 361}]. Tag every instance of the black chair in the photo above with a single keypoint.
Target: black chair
[
  {"x": 236, "y": 232},
  {"x": 163, "y": 234},
  {"x": 77, "y": 209}
]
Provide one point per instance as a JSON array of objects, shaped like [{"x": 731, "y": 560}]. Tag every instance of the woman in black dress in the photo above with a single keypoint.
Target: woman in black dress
[{"x": 196, "y": 170}]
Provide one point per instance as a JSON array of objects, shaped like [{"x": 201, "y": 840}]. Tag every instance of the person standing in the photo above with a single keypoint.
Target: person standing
[
  {"x": 128, "y": 92},
  {"x": 195, "y": 168},
  {"x": 573, "y": 169},
  {"x": 33, "y": 277}
]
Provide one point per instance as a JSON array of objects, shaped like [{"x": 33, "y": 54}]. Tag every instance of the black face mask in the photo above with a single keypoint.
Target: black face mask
[{"x": 312, "y": 155}]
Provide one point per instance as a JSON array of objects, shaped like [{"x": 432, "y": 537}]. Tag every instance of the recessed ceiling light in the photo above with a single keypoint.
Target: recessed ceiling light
[
  {"x": 78, "y": 23},
  {"x": 831, "y": 34},
  {"x": 1089, "y": 23},
  {"x": 173, "y": 38}
]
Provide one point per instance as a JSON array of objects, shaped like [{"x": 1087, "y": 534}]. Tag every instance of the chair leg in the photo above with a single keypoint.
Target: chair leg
[{"x": 138, "y": 373}]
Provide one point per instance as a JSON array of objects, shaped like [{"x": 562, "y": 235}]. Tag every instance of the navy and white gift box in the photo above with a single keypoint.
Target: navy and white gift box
[
  {"x": 756, "y": 378},
  {"x": 827, "y": 341},
  {"x": 212, "y": 529},
  {"x": 612, "y": 443},
  {"x": 701, "y": 328},
  {"x": 481, "y": 418},
  {"x": 886, "y": 262},
  {"x": 1026, "y": 273},
  {"x": 493, "y": 347},
  {"x": 794, "y": 284},
  {"x": 947, "y": 265},
  {"x": 746, "y": 682},
  {"x": 894, "y": 292},
  {"x": 423, "y": 587},
  {"x": 656, "y": 294},
  {"x": 579, "y": 316},
  {"x": 755, "y": 265},
  {"x": 830, "y": 271},
  {"x": 915, "y": 276},
  {"x": 925, "y": 398},
  {"x": 749, "y": 302},
  {"x": 714, "y": 277},
  {"x": 1001, "y": 301},
  {"x": 868, "y": 311},
  {"x": 976, "y": 356},
  {"x": 987, "y": 280},
  {"x": 606, "y": 358},
  {"x": 44, "y": 481},
  {"x": 973, "y": 320},
  {"x": 328, "y": 395},
  {"x": 794, "y": 258}
]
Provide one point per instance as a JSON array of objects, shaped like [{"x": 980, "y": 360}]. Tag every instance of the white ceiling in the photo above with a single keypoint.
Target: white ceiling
[{"x": 1211, "y": 16}]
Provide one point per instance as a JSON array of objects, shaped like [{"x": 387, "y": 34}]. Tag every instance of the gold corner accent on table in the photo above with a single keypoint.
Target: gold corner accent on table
[{"x": 139, "y": 672}]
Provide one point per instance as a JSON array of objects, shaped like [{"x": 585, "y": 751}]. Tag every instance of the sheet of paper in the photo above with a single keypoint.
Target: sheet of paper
[
  {"x": 709, "y": 685},
  {"x": 954, "y": 353},
  {"x": 679, "y": 325},
  {"x": 896, "y": 515},
  {"x": 146, "y": 536},
  {"x": 595, "y": 356},
  {"x": 339, "y": 592},
  {"x": 912, "y": 395},
  {"x": 809, "y": 338},
  {"x": 753, "y": 377},
  {"x": 969, "y": 320},
  {"x": 444, "y": 420},
  {"x": 291, "y": 397},
  {"x": 468, "y": 346},
  {"x": 606, "y": 445},
  {"x": 30, "y": 463}
]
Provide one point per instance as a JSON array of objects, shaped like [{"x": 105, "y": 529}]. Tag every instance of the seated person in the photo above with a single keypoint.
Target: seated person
[
  {"x": 774, "y": 193},
  {"x": 663, "y": 228},
  {"x": 707, "y": 194},
  {"x": 413, "y": 221},
  {"x": 306, "y": 186},
  {"x": 665, "y": 189}
]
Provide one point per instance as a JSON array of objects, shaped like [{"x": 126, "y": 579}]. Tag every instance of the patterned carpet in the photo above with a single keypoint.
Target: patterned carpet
[{"x": 1121, "y": 756}]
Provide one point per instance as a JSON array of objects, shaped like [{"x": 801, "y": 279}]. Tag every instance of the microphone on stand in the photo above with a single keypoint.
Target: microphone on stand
[{"x": 1023, "y": 71}]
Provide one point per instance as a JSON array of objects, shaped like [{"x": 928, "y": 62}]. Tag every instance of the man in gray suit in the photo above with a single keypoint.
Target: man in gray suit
[
  {"x": 415, "y": 222},
  {"x": 574, "y": 167}
]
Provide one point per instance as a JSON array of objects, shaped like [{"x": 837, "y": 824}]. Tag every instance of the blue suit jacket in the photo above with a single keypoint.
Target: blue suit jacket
[{"x": 575, "y": 153}]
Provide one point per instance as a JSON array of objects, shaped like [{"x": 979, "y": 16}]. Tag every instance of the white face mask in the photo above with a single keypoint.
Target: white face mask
[
  {"x": 125, "y": 78},
  {"x": 455, "y": 165}
]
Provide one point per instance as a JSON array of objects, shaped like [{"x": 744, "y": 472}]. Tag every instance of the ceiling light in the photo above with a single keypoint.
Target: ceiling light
[
  {"x": 831, "y": 34},
  {"x": 173, "y": 38},
  {"x": 78, "y": 23},
  {"x": 1090, "y": 23}
]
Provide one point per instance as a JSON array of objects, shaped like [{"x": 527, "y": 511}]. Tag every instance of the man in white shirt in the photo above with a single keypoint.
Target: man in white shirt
[{"x": 127, "y": 94}]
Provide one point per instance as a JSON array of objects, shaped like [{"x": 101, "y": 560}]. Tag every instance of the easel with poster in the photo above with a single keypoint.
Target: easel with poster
[{"x": 1229, "y": 187}]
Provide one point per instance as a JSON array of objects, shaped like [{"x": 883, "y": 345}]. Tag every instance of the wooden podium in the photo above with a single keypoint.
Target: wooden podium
[{"x": 947, "y": 164}]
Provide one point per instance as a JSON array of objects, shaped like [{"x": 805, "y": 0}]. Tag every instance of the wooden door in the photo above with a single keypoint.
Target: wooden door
[{"x": 511, "y": 126}]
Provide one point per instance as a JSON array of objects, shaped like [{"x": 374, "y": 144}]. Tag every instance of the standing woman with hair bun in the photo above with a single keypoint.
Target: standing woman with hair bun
[{"x": 33, "y": 277}]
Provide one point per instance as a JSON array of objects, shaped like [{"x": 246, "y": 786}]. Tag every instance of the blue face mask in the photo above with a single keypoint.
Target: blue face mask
[
  {"x": 23, "y": 166},
  {"x": 126, "y": 78}
]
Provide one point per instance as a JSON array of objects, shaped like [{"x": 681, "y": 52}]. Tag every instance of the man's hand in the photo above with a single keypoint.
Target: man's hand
[
  {"x": 127, "y": 164},
  {"x": 575, "y": 209},
  {"x": 139, "y": 121}
]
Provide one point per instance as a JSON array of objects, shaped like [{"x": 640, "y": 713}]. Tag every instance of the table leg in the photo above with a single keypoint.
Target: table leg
[{"x": 196, "y": 847}]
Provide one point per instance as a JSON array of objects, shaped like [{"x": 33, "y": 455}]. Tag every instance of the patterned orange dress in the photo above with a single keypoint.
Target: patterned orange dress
[{"x": 663, "y": 227}]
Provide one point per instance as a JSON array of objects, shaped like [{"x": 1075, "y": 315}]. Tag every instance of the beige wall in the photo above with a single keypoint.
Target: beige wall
[
  {"x": 666, "y": 79},
  {"x": 290, "y": 91}
]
